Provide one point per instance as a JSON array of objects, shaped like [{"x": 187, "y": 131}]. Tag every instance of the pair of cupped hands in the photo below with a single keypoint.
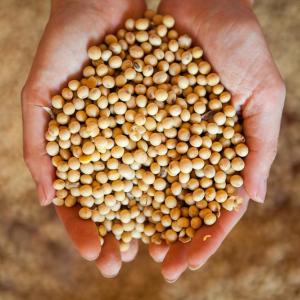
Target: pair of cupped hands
[{"x": 233, "y": 43}]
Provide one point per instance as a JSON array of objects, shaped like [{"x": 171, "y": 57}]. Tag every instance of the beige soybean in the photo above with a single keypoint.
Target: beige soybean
[{"x": 147, "y": 143}]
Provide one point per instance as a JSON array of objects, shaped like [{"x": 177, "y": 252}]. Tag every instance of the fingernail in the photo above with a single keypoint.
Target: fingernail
[
  {"x": 170, "y": 280},
  {"x": 109, "y": 276},
  {"x": 41, "y": 195},
  {"x": 45, "y": 197},
  {"x": 194, "y": 268},
  {"x": 90, "y": 256},
  {"x": 261, "y": 191},
  {"x": 159, "y": 261}
]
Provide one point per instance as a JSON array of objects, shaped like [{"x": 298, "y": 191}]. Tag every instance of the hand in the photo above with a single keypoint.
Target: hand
[
  {"x": 234, "y": 44},
  {"x": 72, "y": 27}
]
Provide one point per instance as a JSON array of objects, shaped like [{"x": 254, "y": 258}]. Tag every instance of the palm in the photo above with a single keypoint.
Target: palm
[
  {"x": 233, "y": 42},
  {"x": 60, "y": 57}
]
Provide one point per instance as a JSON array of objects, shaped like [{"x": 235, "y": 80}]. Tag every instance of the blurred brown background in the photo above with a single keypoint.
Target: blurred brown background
[{"x": 259, "y": 259}]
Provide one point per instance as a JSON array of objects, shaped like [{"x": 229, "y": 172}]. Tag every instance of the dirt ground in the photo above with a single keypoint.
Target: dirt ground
[{"x": 258, "y": 260}]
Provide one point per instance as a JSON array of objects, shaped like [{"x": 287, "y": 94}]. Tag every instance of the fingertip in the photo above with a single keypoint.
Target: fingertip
[
  {"x": 170, "y": 281},
  {"x": 109, "y": 276},
  {"x": 168, "y": 274},
  {"x": 196, "y": 267},
  {"x": 158, "y": 252},
  {"x": 43, "y": 178},
  {"x": 258, "y": 199},
  {"x": 257, "y": 191},
  {"x": 44, "y": 199},
  {"x": 83, "y": 233},
  {"x": 89, "y": 251},
  {"x": 175, "y": 262},
  {"x": 130, "y": 254},
  {"x": 255, "y": 182},
  {"x": 109, "y": 262},
  {"x": 90, "y": 255}
]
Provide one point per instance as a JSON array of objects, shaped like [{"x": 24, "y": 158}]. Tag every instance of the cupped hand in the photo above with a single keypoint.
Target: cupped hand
[
  {"x": 234, "y": 44},
  {"x": 62, "y": 52}
]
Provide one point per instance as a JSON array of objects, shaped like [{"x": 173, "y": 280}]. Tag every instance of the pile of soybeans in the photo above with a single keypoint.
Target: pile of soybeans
[{"x": 147, "y": 142}]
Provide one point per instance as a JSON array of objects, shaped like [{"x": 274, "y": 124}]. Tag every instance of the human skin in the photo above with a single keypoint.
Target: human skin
[
  {"x": 234, "y": 44},
  {"x": 73, "y": 26}
]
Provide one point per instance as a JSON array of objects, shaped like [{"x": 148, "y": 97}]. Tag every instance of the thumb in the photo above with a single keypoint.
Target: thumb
[
  {"x": 35, "y": 119},
  {"x": 262, "y": 117}
]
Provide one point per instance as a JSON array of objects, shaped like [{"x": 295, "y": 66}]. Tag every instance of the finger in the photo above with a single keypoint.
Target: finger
[
  {"x": 131, "y": 253},
  {"x": 262, "y": 118},
  {"x": 83, "y": 233},
  {"x": 175, "y": 262},
  {"x": 208, "y": 239},
  {"x": 35, "y": 120},
  {"x": 109, "y": 261},
  {"x": 158, "y": 252}
]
